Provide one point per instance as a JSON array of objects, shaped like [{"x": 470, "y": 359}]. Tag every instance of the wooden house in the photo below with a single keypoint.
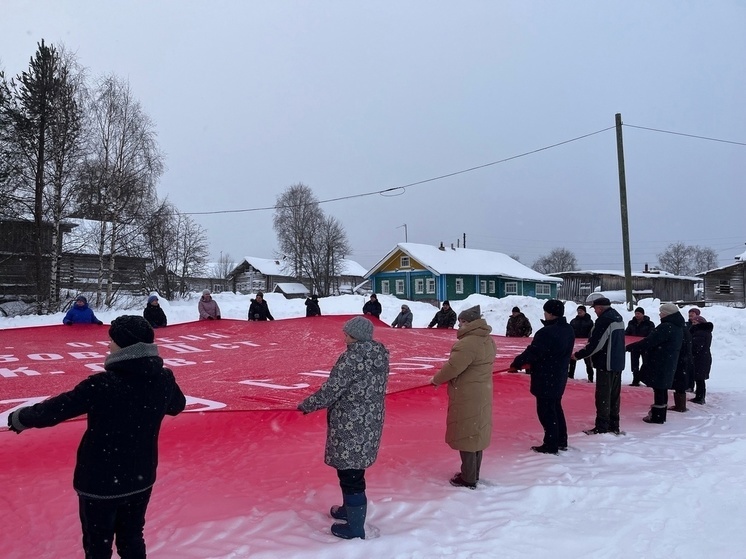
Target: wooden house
[
  {"x": 420, "y": 272},
  {"x": 726, "y": 285},
  {"x": 649, "y": 283}
]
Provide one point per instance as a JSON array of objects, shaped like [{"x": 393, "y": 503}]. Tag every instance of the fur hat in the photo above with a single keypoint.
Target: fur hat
[
  {"x": 152, "y": 298},
  {"x": 668, "y": 308},
  {"x": 555, "y": 307},
  {"x": 470, "y": 315},
  {"x": 601, "y": 301},
  {"x": 695, "y": 311},
  {"x": 516, "y": 309},
  {"x": 359, "y": 328},
  {"x": 640, "y": 310},
  {"x": 128, "y": 330}
]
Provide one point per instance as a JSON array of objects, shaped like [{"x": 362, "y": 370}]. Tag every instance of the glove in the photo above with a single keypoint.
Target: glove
[
  {"x": 256, "y": 316},
  {"x": 99, "y": 323},
  {"x": 210, "y": 318},
  {"x": 512, "y": 369},
  {"x": 13, "y": 422},
  {"x": 68, "y": 323},
  {"x": 218, "y": 317}
]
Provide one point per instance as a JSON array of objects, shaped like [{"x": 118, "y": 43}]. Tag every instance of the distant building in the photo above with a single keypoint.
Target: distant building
[
  {"x": 419, "y": 272},
  {"x": 726, "y": 285},
  {"x": 649, "y": 283}
]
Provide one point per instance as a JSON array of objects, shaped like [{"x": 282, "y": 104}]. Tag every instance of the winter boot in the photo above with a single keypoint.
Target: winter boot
[
  {"x": 338, "y": 512},
  {"x": 679, "y": 401},
  {"x": 356, "y": 507},
  {"x": 656, "y": 415}
]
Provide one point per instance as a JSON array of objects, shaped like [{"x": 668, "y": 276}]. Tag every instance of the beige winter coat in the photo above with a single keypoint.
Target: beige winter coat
[{"x": 468, "y": 373}]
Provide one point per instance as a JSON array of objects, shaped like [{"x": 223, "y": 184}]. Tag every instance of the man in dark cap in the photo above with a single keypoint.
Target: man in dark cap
[
  {"x": 354, "y": 398},
  {"x": 605, "y": 347},
  {"x": 549, "y": 356},
  {"x": 582, "y": 325},
  {"x": 118, "y": 455},
  {"x": 639, "y": 325},
  {"x": 518, "y": 325}
]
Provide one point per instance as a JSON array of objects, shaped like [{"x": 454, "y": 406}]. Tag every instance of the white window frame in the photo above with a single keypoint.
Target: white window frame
[
  {"x": 460, "y": 286},
  {"x": 385, "y": 289},
  {"x": 544, "y": 289},
  {"x": 483, "y": 287},
  {"x": 492, "y": 286},
  {"x": 419, "y": 286},
  {"x": 511, "y": 288},
  {"x": 430, "y": 285},
  {"x": 404, "y": 262},
  {"x": 400, "y": 287}
]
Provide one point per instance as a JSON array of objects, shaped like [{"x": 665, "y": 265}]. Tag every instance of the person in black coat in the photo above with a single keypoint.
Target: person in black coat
[
  {"x": 259, "y": 309},
  {"x": 154, "y": 314},
  {"x": 605, "y": 347},
  {"x": 118, "y": 454},
  {"x": 701, "y": 332},
  {"x": 372, "y": 307},
  {"x": 549, "y": 356},
  {"x": 684, "y": 375},
  {"x": 444, "y": 318},
  {"x": 312, "y": 306},
  {"x": 582, "y": 325},
  {"x": 640, "y": 325},
  {"x": 661, "y": 347}
]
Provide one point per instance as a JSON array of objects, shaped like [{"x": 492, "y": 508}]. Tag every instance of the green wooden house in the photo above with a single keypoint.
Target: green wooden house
[{"x": 420, "y": 272}]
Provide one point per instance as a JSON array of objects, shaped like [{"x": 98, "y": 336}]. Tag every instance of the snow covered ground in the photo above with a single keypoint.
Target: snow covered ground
[{"x": 673, "y": 490}]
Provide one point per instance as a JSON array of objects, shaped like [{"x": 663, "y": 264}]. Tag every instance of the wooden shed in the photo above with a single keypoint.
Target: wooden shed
[{"x": 726, "y": 285}]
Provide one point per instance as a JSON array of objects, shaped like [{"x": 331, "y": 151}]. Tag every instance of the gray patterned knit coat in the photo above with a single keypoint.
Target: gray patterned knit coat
[{"x": 354, "y": 397}]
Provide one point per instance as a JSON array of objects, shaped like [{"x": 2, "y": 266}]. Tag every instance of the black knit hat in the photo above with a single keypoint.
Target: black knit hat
[
  {"x": 128, "y": 330},
  {"x": 640, "y": 310},
  {"x": 554, "y": 307}
]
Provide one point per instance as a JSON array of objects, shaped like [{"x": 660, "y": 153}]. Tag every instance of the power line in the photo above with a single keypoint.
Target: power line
[
  {"x": 686, "y": 135},
  {"x": 393, "y": 190}
]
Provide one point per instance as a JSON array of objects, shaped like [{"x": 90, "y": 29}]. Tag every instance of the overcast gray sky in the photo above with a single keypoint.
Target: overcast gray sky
[{"x": 355, "y": 97}]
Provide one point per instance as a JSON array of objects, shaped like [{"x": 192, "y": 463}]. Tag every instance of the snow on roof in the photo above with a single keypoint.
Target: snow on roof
[
  {"x": 467, "y": 261},
  {"x": 741, "y": 257},
  {"x": 351, "y": 268},
  {"x": 292, "y": 288},
  {"x": 269, "y": 266},
  {"x": 657, "y": 274}
]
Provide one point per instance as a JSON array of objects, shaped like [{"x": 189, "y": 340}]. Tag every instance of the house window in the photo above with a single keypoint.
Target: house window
[
  {"x": 430, "y": 285},
  {"x": 404, "y": 262},
  {"x": 511, "y": 288},
  {"x": 584, "y": 288},
  {"x": 483, "y": 286},
  {"x": 385, "y": 290},
  {"x": 492, "y": 286},
  {"x": 419, "y": 286},
  {"x": 459, "y": 285},
  {"x": 400, "y": 287},
  {"x": 543, "y": 289},
  {"x": 724, "y": 288}
]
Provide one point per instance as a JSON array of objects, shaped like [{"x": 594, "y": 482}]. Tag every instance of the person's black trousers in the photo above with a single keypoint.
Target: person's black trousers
[
  {"x": 608, "y": 394},
  {"x": 552, "y": 419},
  {"x": 105, "y": 521},
  {"x": 471, "y": 463}
]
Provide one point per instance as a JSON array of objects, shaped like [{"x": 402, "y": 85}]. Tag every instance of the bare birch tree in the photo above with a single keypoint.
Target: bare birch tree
[{"x": 558, "y": 260}]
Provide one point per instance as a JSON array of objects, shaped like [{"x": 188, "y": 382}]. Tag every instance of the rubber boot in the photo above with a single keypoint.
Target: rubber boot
[
  {"x": 356, "y": 507},
  {"x": 338, "y": 512},
  {"x": 656, "y": 415},
  {"x": 679, "y": 401}
]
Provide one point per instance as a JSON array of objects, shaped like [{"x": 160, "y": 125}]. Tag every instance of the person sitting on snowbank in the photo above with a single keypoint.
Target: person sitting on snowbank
[
  {"x": 207, "y": 307},
  {"x": 80, "y": 313}
]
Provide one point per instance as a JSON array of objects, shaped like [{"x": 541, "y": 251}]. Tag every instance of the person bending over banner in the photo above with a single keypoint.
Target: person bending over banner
[
  {"x": 118, "y": 454},
  {"x": 468, "y": 373},
  {"x": 354, "y": 397}
]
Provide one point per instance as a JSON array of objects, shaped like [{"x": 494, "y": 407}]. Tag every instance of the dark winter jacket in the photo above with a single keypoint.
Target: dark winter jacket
[
  {"x": 312, "y": 307},
  {"x": 549, "y": 357},
  {"x": 372, "y": 308},
  {"x": 354, "y": 397},
  {"x": 259, "y": 310},
  {"x": 118, "y": 453},
  {"x": 701, "y": 341},
  {"x": 403, "y": 319},
  {"x": 80, "y": 315},
  {"x": 155, "y": 316},
  {"x": 582, "y": 326},
  {"x": 518, "y": 326},
  {"x": 641, "y": 328},
  {"x": 605, "y": 347},
  {"x": 661, "y": 348},
  {"x": 444, "y": 318},
  {"x": 685, "y": 364},
  {"x": 468, "y": 373}
]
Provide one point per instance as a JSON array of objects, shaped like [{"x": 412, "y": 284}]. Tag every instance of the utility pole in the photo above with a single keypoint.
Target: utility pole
[
  {"x": 623, "y": 206},
  {"x": 406, "y": 238}
]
